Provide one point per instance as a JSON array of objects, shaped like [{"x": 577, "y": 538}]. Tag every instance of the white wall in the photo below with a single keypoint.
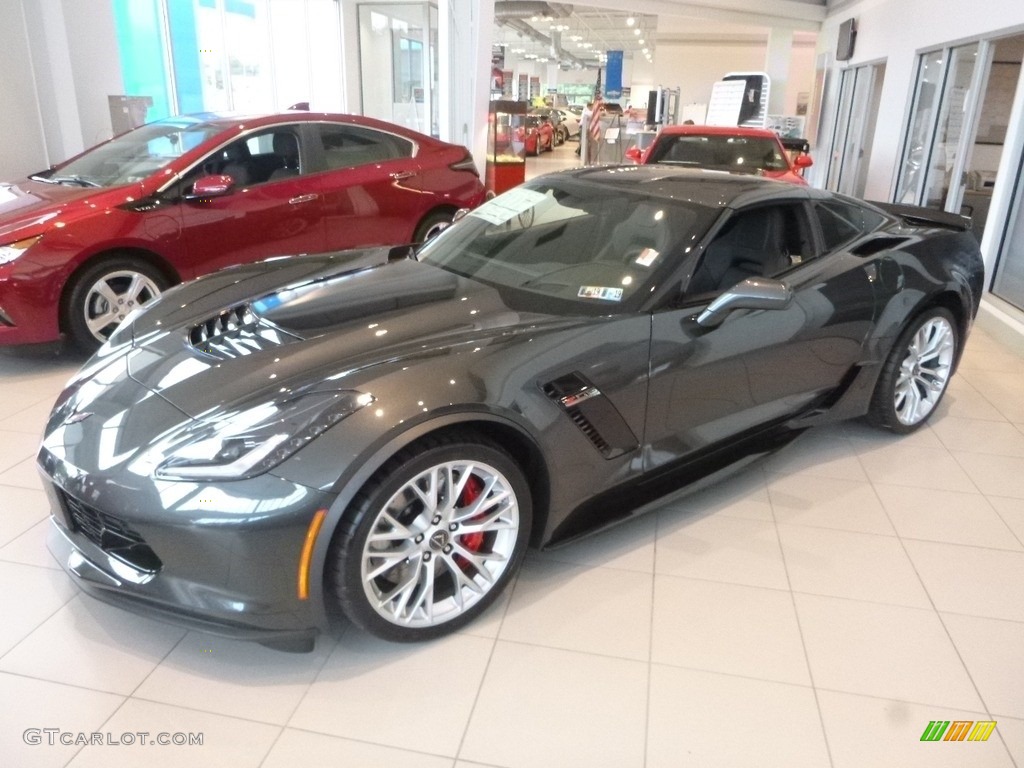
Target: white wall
[
  {"x": 694, "y": 67},
  {"x": 22, "y": 150},
  {"x": 95, "y": 63},
  {"x": 895, "y": 31}
]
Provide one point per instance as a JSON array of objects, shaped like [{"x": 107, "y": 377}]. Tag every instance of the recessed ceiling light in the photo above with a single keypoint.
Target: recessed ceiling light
[{"x": 630, "y": 21}]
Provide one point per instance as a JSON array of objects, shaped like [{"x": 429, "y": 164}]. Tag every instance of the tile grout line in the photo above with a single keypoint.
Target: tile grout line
[
  {"x": 938, "y": 614},
  {"x": 799, "y": 624},
  {"x": 650, "y": 635}
]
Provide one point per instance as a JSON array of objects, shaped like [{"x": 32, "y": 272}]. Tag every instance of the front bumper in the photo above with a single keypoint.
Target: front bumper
[{"x": 220, "y": 560}]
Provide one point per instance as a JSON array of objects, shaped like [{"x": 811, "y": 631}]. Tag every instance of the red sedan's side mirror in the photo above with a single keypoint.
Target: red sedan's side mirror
[
  {"x": 635, "y": 154},
  {"x": 211, "y": 186},
  {"x": 803, "y": 161}
]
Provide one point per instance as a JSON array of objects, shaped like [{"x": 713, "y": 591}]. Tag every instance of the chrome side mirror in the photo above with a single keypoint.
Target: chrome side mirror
[{"x": 752, "y": 293}]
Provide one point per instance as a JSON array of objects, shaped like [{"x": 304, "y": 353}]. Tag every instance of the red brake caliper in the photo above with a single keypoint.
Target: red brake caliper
[{"x": 471, "y": 492}]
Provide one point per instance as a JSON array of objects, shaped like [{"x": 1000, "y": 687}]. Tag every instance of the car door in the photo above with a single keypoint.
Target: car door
[
  {"x": 274, "y": 209},
  {"x": 370, "y": 187},
  {"x": 757, "y": 367}
]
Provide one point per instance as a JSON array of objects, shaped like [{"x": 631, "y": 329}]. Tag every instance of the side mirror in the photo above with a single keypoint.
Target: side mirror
[
  {"x": 634, "y": 154},
  {"x": 803, "y": 161},
  {"x": 752, "y": 293},
  {"x": 211, "y": 186}
]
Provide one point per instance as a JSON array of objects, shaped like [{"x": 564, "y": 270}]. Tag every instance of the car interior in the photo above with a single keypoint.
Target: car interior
[{"x": 761, "y": 242}]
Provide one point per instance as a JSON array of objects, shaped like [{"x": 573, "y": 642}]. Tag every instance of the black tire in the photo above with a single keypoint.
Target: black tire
[
  {"x": 430, "y": 561},
  {"x": 917, "y": 372},
  {"x": 132, "y": 281},
  {"x": 433, "y": 224}
]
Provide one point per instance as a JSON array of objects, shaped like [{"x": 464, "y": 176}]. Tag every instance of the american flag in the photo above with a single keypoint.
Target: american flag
[{"x": 595, "y": 120}]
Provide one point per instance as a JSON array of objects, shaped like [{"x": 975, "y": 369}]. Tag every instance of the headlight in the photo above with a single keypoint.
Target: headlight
[
  {"x": 10, "y": 252},
  {"x": 244, "y": 443}
]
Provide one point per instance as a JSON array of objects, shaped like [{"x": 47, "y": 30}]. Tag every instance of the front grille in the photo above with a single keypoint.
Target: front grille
[
  {"x": 236, "y": 332},
  {"x": 111, "y": 534}
]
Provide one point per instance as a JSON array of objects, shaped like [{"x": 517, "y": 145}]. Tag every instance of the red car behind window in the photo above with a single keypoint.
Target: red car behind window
[
  {"x": 722, "y": 148},
  {"x": 87, "y": 241}
]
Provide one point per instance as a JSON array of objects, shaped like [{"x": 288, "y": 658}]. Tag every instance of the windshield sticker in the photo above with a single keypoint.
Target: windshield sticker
[
  {"x": 647, "y": 257},
  {"x": 505, "y": 207},
  {"x": 600, "y": 292}
]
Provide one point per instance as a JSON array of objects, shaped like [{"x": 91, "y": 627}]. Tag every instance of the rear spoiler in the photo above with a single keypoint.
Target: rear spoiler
[{"x": 926, "y": 217}]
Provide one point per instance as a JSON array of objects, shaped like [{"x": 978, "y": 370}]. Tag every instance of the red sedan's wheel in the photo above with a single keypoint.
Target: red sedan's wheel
[{"x": 103, "y": 294}]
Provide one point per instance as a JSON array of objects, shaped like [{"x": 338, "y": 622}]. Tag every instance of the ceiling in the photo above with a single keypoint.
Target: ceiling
[{"x": 578, "y": 35}]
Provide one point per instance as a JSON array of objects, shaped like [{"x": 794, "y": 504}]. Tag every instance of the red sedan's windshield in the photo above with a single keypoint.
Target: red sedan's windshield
[
  {"x": 738, "y": 154},
  {"x": 135, "y": 155}
]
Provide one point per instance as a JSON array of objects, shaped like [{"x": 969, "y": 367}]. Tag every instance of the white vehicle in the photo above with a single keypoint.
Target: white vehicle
[{"x": 570, "y": 123}]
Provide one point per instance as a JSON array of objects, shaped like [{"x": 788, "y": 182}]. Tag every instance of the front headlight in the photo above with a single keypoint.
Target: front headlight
[
  {"x": 243, "y": 443},
  {"x": 11, "y": 251}
]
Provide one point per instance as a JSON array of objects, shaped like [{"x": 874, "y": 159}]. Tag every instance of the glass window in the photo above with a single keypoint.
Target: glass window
[
  {"x": 841, "y": 222},
  {"x": 569, "y": 247},
  {"x": 926, "y": 102},
  {"x": 347, "y": 146},
  {"x": 743, "y": 154}
]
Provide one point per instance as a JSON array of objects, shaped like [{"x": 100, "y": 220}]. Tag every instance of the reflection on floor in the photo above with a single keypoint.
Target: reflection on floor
[{"x": 818, "y": 609}]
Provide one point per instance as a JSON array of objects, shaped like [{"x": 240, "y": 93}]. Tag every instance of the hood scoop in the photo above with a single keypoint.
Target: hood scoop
[{"x": 237, "y": 332}]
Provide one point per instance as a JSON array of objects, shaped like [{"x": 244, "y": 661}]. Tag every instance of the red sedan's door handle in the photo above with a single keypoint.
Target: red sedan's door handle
[
  {"x": 303, "y": 199},
  {"x": 399, "y": 175}
]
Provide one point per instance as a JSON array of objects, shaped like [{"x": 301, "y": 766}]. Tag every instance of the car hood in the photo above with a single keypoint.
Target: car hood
[
  {"x": 332, "y": 320},
  {"x": 28, "y": 208}
]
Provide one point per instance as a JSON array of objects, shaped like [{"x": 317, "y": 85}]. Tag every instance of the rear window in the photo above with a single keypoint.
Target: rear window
[{"x": 842, "y": 222}]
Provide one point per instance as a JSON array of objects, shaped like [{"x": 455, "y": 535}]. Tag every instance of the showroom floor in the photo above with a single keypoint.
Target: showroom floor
[{"x": 818, "y": 609}]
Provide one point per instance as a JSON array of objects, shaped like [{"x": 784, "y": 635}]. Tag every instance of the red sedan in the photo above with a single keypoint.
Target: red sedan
[
  {"x": 87, "y": 241},
  {"x": 723, "y": 148}
]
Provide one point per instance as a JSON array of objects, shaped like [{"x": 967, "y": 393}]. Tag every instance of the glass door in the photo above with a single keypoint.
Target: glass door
[
  {"x": 943, "y": 123},
  {"x": 860, "y": 91}
]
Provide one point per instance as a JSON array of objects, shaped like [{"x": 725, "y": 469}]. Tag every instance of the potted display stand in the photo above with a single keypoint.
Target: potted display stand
[{"x": 506, "y": 148}]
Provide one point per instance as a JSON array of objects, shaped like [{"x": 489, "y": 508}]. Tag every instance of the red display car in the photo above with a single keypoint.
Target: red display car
[
  {"x": 538, "y": 135},
  {"x": 87, "y": 241},
  {"x": 737, "y": 150}
]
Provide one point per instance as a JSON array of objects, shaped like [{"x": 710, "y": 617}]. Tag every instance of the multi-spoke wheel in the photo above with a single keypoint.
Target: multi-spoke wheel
[
  {"x": 104, "y": 294},
  {"x": 433, "y": 541},
  {"x": 917, "y": 372}
]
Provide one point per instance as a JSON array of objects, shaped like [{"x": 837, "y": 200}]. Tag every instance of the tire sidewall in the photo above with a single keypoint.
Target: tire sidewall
[
  {"x": 883, "y": 406},
  {"x": 349, "y": 592}
]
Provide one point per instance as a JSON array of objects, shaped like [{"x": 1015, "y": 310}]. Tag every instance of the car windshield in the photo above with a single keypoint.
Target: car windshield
[
  {"x": 135, "y": 155},
  {"x": 738, "y": 154},
  {"x": 570, "y": 246}
]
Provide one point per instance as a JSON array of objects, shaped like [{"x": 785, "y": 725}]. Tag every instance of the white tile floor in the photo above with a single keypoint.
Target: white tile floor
[{"x": 818, "y": 609}]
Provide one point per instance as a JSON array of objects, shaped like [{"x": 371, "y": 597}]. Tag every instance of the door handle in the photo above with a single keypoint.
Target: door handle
[
  {"x": 399, "y": 175},
  {"x": 303, "y": 199}
]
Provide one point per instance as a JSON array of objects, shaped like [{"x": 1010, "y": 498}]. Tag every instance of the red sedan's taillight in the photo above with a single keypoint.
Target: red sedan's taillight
[{"x": 465, "y": 164}]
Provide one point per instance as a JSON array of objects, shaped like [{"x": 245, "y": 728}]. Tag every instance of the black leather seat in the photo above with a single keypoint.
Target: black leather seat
[
  {"x": 286, "y": 147},
  {"x": 753, "y": 245},
  {"x": 237, "y": 163}
]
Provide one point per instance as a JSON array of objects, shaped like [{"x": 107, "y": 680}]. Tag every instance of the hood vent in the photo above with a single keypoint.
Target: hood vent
[
  {"x": 237, "y": 332},
  {"x": 592, "y": 413}
]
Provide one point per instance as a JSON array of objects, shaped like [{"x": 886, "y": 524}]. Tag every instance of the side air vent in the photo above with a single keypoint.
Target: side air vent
[
  {"x": 878, "y": 244},
  {"x": 236, "y": 332},
  {"x": 592, "y": 413}
]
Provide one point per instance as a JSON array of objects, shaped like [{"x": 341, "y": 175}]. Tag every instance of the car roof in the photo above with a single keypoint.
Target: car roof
[
  {"x": 229, "y": 120},
  {"x": 717, "y": 130},
  {"x": 707, "y": 188}
]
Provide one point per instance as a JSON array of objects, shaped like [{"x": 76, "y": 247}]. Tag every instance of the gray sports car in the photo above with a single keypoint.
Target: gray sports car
[{"x": 379, "y": 434}]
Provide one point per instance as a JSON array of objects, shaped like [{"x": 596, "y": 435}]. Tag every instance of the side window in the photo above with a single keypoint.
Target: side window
[
  {"x": 348, "y": 146},
  {"x": 263, "y": 157},
  {"x": 841, "y": 222},
  {"x": 757, "y": 242}
]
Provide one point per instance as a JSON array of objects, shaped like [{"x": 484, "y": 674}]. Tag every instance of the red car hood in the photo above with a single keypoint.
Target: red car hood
[{"x": 28, "y": 208}]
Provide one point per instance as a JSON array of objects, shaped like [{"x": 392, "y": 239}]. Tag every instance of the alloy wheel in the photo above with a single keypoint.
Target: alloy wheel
[
  {"x": 440, "y": 543},
  {"x": 925, "y": 370},
  {"x": 109, "y": 300}
]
